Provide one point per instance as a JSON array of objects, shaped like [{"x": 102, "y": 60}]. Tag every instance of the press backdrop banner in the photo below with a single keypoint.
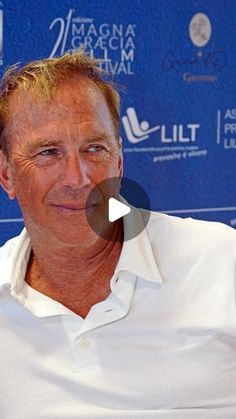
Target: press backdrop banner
[{"x": 175, "y": 63}]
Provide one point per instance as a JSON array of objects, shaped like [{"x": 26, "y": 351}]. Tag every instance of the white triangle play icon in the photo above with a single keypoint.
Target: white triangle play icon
[{"x": 116, "y": 209}]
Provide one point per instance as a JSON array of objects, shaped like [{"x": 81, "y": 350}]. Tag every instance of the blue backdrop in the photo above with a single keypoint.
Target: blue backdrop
[{"x": 175, "y": 62}]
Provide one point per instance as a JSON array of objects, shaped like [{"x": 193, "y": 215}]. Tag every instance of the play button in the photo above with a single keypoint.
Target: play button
[
  {"x": 116, "y": 209},
  {"x": 118, "y": 205}
]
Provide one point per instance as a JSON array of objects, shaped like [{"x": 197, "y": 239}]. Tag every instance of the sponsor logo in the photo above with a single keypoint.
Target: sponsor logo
[
  {"x": 226, "y": 128},
  {"x": 200, "y": 65},
  {"x": 136, "y": 131},
  {"x": 113, "y": 43},
  {"x": 200, "y": 30},
  {"x": 174, "y": 142}
]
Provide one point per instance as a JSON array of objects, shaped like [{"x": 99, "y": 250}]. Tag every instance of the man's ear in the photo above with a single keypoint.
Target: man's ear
[{"x": 5, "y": 176}]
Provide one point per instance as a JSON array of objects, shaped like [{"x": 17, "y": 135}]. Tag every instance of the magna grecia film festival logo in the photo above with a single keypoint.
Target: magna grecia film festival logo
[{"x": 114, "y": 43}]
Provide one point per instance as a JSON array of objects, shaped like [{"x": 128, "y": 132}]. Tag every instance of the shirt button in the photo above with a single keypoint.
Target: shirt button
[
  {"x": 85, "y": 343},
  {"x": 108, "y": 310}
]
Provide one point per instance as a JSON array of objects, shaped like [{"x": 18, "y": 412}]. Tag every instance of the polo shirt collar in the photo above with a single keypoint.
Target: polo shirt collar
[
  {"x": 14, "y": 259},
  {"x": 136, "y": 255}
]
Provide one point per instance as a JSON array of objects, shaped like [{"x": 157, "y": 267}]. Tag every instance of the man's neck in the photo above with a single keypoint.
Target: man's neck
[{"x": 76, "y": 278}]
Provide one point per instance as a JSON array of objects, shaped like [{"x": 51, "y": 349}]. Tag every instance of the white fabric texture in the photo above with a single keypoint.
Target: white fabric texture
[{"x": 162, "y": 345}]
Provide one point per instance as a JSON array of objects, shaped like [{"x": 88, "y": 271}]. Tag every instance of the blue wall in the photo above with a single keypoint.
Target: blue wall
[{"x": 175, "y": 63}]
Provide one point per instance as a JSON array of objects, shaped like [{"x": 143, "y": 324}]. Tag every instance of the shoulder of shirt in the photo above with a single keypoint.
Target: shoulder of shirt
[
  {"x": 7, "y": 249},
  {"x": 189, "y": 233},
  {"x": 189, "y": 223},
  {"x": 8, "y": 254}
]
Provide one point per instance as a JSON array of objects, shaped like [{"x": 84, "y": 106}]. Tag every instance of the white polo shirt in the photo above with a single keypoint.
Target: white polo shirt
[{"x": 162, "y": 345}]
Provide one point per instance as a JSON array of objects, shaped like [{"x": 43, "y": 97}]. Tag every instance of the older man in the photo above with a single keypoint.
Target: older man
[{"x": 92, "y": 326}]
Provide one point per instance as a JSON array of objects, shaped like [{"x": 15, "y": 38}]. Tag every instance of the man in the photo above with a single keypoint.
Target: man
[{"x": 92, "y": 326}]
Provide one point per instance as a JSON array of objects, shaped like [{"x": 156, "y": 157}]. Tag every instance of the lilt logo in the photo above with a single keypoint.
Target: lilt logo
[
  {"x": 136, "y": 131},
  {"x": 139, "y": 131},
  {"x": 169, "y": 141}
]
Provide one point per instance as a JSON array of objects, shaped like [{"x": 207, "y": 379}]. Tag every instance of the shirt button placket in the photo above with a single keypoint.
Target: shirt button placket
[{"x": 85, "y": 354}]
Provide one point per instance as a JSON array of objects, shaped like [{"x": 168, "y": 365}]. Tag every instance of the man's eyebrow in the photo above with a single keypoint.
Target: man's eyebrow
[
  {"x": 101, "y": 137},
  {"x": 42, "y": 142},
  {"x": 47, "y": 142}
]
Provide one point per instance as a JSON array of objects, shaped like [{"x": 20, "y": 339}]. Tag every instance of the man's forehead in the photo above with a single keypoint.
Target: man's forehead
[
  {"x": 71, "y": 102},
  {"x": 76, "y": 90},
  {"x": 70, "y": 99}
]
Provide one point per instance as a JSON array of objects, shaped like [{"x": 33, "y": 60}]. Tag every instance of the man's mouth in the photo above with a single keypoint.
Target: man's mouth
[{"x": 73, "y": 207}]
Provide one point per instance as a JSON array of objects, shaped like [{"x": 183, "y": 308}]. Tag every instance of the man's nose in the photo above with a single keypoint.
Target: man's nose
[{"x": 75, "y": 173}]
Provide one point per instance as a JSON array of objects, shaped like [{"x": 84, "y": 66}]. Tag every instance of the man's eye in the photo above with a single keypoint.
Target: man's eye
[
  {"x": 95, "y": 148},
  {"x": 48, "y": 152}
]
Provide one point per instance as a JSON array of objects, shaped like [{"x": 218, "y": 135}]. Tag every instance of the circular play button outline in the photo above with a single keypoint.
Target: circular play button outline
[{"x": 106, "y": 202}]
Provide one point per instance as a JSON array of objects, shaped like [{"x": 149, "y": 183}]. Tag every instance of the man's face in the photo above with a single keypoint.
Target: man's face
[{"x": 60, "y": 150}]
